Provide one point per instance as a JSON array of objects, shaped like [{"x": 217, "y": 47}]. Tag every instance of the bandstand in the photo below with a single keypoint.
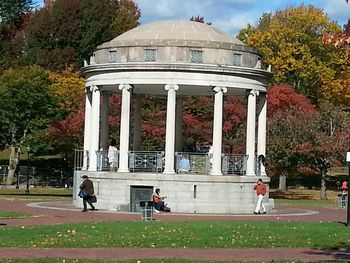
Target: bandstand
[{"x": 173, "y": 59}]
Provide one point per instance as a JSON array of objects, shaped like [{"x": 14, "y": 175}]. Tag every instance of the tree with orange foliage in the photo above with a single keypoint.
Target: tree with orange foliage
[
  {"x": 290, "y": 41},
  {"x": 65, "y": 134},
  {"x": 337, "y": 89}
]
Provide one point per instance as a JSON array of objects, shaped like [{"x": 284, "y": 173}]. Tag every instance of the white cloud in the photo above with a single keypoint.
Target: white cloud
[
  {"x": 233, "y": 15},
  {"x": 169, "y": 9},
  {"x": 228, "y": 15},
  {"x": 337, "y": 10}
]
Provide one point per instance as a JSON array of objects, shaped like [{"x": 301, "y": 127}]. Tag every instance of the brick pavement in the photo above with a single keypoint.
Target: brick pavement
[{"x": 60, "y": 212}]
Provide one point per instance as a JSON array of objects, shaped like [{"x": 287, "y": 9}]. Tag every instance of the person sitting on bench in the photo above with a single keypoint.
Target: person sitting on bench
[{"x": 158, "y": 202}]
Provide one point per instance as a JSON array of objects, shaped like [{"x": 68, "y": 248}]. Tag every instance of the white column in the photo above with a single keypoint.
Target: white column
[
  {"x": 104, "y": 121},
  {"x": 124, "y": 129},
  {"x": 95, "y": 128},
  {"x": 217, "y": 130},
  {"x": 170, "y": 129},
  {"x": 87, "y": 127},
  {"x": 250, "y": 137},
  {"x": 137, "y": 123},
  {"x": 178, "y": 124},
  {"x": 262, "y": 132}
]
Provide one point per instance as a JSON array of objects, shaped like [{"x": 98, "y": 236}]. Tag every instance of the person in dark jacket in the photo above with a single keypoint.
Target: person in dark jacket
[{"x": 87, "y": 187}]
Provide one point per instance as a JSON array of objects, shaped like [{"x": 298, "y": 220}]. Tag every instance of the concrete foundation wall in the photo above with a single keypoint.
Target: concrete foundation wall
[{"x": 186, "y": 193}]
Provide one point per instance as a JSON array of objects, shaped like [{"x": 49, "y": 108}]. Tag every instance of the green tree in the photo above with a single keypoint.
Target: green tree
[
  {"x": 127, "y": 15},
  {"x": 26, "y": 107},
  {"x": 53, "y": 35},
  {"x": 13, "y": 12},
  {"x": 290, "y": 41},
  {"x": 118, "y": 17},
  {"x": 13, "y": 17},
  {"x": 67, "y": 32}
]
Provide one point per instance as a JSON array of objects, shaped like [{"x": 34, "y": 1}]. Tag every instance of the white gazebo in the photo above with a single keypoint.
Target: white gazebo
[{"x": 173, "y": 59}]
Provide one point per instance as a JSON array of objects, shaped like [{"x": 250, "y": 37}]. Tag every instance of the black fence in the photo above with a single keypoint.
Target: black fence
[
  {"x": 310, "y": 181},
  {"x": 39, "y": 177}
]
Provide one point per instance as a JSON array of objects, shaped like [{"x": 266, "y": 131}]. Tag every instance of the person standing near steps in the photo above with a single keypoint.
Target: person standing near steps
[{"x": 260, "y": 188}]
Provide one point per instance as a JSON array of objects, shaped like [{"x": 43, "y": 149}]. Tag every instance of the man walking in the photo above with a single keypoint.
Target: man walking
[
  {"x": 87, "y": 188},
  {"x": 260, "y": 188}
]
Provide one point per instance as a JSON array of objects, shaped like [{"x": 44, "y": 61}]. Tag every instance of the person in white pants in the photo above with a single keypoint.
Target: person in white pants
[{"x": 260, "y": 188}]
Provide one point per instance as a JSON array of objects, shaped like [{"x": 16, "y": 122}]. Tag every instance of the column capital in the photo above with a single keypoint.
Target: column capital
[
  {"x": 254, "y": 92},
  {"x": 94, "y": 88},
  {"x": 220, "y": 89},
  {"x": 127, "y": 87},
  {"x": 171, "y": 86}
]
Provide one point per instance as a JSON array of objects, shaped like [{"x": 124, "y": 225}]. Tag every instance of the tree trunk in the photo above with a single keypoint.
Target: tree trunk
[
  {"x": 13, "y": 162},
  {"x": 323, "y": 194},
  {"x": 282, "y": 183}
]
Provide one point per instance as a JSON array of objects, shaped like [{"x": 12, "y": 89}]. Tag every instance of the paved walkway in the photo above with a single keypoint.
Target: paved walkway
[{"x": 63, "y": 212}]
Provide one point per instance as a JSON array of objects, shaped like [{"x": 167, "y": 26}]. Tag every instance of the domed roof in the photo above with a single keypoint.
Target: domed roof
[{"x": 174, "y": 33}]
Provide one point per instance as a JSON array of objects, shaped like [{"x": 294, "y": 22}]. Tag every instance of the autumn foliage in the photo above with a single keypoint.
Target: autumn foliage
[{"x": 308, "y": 102}]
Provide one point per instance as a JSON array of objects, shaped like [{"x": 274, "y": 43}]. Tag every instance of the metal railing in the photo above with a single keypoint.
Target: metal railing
[
  {"x": 3, "y": 172},
  {"x": 81, "y": 158},
  {"x": 234, "y": 164},
  {"x": 103, "y": 163},
  {"x": 153, "y": 161},
  {"x": 199, "y": 163},
  {"x": 143, "y": 161}
]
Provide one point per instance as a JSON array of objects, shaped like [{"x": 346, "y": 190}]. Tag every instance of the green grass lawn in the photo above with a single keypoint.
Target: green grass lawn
[
  {"x": 9, "y": 214},
  {"x": 298, "y": 203},
  {"x": 200, "y": 234},
  {"x": 158, "y": 234},
  {"x": 123, "y": 261},
  {"x": 37, "y": 194}
]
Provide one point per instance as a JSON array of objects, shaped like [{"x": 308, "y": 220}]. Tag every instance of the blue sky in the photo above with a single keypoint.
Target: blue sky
[{"x": 231, "y": 15}]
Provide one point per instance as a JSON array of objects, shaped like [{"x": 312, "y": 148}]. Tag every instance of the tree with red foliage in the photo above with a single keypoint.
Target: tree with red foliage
[
  {"x": 298, "y": 135},
  {"x": 114, "y": 115},
  {"x": 331, "y": 132},
  {"x": 284, "y": 97},
  {"x": 197, "y": 121},
  {"x": 153, "y": 124},
  {"x": 285, "y": 108},
  {"x": 235, "y": 116},
  {"x": 65, "y": 134}
]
